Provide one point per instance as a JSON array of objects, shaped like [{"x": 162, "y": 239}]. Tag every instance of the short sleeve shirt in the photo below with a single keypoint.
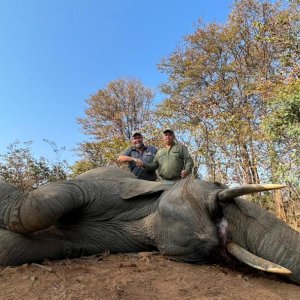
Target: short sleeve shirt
[{"x": 146, "y": 156}]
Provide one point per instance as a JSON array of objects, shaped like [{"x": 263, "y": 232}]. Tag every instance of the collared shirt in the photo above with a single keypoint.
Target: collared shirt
[
  {"x": 146, "y": 156},
  {"x": 171, "y": 161}
]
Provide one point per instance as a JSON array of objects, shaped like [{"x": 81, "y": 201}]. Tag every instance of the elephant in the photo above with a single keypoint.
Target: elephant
[{"x": 107, "y": 209}]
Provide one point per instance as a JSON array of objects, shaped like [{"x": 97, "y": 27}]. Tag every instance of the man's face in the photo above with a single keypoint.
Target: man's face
[
  {"x": 137, "y": 141},
  {"x": 169, "y": 138}
]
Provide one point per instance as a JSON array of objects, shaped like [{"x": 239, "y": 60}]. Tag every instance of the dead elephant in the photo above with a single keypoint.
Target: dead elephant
[{"x": 107, "y": 209}]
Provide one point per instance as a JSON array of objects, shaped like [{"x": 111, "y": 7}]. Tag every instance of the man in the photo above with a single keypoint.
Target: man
[
  {"x": 173, "y": 161},
  {"x": 142, "y": 153}
]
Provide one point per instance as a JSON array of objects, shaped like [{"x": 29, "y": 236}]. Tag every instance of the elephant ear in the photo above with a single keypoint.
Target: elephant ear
[{"x": 131, "y": 187}]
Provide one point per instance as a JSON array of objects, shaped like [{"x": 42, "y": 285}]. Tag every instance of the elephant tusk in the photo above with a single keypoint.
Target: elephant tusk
[
  {"x": 255, "y": 261},
  {"x": 231, "y": 193}
]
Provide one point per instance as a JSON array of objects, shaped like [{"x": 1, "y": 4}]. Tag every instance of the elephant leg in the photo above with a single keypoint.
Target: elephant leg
[
  {"x": 16, "y": 249},
  {"x": 39, "y": 209}
]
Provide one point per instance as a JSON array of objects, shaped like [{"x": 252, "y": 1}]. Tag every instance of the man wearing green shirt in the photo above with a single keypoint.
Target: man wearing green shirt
[{"x": 173, "y": 161}]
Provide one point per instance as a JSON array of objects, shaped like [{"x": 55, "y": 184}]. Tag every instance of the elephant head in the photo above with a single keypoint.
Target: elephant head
[
  {"x": 107, "y": 209},
  {"x": 197, "y": 220}
]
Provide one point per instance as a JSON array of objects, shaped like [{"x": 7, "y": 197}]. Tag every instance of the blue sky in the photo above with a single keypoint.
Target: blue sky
[{"x": 54, "y": 54}]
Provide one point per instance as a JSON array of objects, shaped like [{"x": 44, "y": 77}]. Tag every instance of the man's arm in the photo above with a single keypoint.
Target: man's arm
[
  {"x": 126, "y": 156},
  {"x": 151, "y": 166},
  {"x": 188, "y": 162}
]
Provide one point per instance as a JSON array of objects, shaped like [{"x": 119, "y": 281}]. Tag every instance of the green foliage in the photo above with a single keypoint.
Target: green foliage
[
  {"x": 282, "y": 127},
  {"x": 283, "y": 120},
  {"x": 111, "y": 149},
  {"x": 81, "y": 166},
  {"x": 103, "y": 153}
]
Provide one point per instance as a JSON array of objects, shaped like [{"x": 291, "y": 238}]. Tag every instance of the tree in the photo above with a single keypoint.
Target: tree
[
  {"x": 113, "y": 114},
  {"x": 19, "y": 168},
  {"x": 81, "y": 166},
  {"x": 117, "y": 110},
  {"x": 218, "y": 81},
  {"x": 97, "y": 154},
  {"x": 282, "y": 127}
]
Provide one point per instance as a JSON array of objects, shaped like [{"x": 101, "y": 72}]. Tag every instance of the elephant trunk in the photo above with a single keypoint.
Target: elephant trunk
[
  {"x": 17, "y": 249},
  {"x": 262, "y": 234}
]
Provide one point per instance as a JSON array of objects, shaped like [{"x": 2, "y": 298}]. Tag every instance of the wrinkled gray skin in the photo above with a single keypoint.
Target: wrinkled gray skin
[{"x": 87, "y": 216}]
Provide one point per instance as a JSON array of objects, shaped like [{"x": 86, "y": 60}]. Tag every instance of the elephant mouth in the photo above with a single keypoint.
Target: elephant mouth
[
  {"x": 234, "y": 249},
  {"x": 245, "y": 256}
]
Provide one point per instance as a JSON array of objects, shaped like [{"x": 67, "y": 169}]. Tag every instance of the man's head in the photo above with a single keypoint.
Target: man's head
[
  {"x": 169, "y": 137},
  {"x": 137, "y": 140}
]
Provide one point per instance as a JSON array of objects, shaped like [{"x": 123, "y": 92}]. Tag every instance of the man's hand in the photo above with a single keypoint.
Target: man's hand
[
  {"x": 184, "y": 173},
  {"x": 138, "y": 162}
]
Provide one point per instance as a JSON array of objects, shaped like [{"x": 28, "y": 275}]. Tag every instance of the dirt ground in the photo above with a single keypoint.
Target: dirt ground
[{"x": 138, "y": 276}]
